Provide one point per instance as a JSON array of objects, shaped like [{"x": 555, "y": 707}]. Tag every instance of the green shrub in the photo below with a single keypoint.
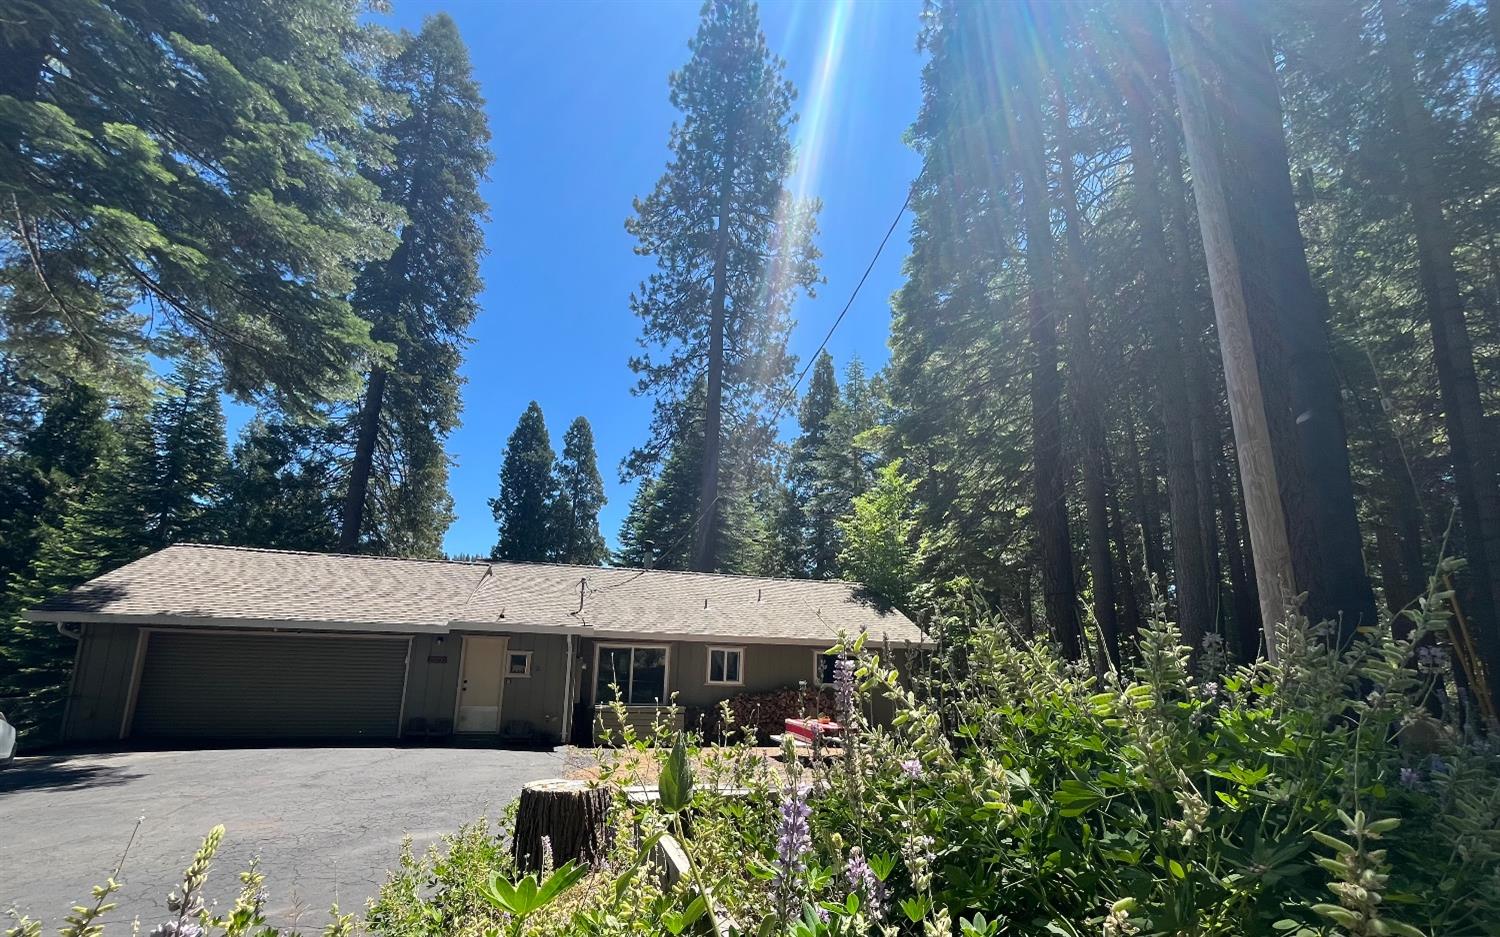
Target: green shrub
[{"x": 1328, "y": 793}]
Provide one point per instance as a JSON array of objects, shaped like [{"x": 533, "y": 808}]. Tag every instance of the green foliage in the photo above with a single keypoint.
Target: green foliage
[
  {"x": 527, "y": 488},
  {"x": 580, "y": 495},
  {"x": 525, "y": 896},
  {"x": 192, "y": 166},
  {"x": 422, "y": 299},
  {"x": 1165, "y": 801},
  {"x": 282, "y": 487},
  {"x": 878, "y": 549}
]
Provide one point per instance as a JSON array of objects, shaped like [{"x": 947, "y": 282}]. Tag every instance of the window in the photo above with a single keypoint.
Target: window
[
  {"x": 638, "y": 673},
  {"x": 726, "y": 665},
  {"x": 823, "y": 668},
  {"x": 518, "y": 664}
]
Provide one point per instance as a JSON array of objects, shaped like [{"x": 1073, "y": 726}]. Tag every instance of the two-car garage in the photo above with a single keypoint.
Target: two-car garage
[{"x": 205, "y": 685}]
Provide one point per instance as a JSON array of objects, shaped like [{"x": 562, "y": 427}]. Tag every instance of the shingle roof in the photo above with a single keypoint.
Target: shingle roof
[{"x": 229, "y": 585}]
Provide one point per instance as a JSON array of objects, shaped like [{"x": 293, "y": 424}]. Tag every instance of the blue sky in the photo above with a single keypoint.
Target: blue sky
[{"x": 576, "y": 94}]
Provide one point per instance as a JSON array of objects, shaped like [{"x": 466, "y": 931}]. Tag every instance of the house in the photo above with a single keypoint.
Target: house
[{"x": 211, "y": 642}]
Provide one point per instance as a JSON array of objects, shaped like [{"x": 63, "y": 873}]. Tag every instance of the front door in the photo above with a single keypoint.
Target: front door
[{"x": 482, "y": 684}]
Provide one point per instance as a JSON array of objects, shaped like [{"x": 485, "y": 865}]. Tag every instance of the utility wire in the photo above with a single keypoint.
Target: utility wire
[{"x": 791, "y": 391}]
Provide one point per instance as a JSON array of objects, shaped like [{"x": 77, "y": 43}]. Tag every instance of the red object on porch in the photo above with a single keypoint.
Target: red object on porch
[{"x": 807, "y": 729}]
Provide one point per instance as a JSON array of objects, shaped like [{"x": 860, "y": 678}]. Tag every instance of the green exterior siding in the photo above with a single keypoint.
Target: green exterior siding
[
  {"x": 432, "y": 685},
  {"x": 101, "y": 683}
]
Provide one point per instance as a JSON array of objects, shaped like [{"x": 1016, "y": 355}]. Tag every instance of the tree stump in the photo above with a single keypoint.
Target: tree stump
[{"x": 572, "y": 815}]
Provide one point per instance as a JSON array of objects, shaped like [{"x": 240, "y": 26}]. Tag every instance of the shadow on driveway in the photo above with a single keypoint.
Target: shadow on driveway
[{"x": 62, "y": 772}]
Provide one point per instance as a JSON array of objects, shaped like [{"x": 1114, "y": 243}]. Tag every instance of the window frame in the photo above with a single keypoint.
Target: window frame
[
  {"x": 512, "y": 675},
  {"x": 666, "y": 680},
  {"x": 818, "y": 668},
  {"x": 708, "y": 664}
]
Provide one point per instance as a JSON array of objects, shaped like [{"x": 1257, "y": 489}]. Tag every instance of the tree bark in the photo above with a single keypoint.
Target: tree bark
[
  {"x": 1130, "y": 621},
  {"x": 1291, "y": 335},
  {"x": 1195, "y": 607},
  {"x": 364, "y": 458},
  {"x": 1241, "y": 575},
  {"x": 573, "y": 816},
  {"x": 1247, "y": 404},
  {"x": 1086, "y": 371},
  {"x": 705, "y": 556},
  {"x": 1146, "y": 504},
  {"x": 1059, "y": 593},
  {"x": 1473, "y": 448}
]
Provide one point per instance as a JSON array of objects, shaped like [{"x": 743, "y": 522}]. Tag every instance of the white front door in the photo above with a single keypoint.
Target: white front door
[{"x": 481, "y": 684}]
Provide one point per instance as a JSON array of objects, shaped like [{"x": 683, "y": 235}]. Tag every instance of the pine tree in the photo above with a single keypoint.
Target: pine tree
[
  {"x": 878, "y": 534},
  {"x": 812, "y": 550},
  {"x": 732, "y": 252},
  {"x": 422, "y": 299},
  {"x": 281, "y": 489},
  {"x": 193, "y": 163},
  {"x": 528, "y": 487},
  {"x": 580, "y": 495},
  {"x": 185, "y": 482}
]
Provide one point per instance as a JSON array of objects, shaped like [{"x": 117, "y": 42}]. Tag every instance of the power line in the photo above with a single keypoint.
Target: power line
[{"x": 791, "y": 391}]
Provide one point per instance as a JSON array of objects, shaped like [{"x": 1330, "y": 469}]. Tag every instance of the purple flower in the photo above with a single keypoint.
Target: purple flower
[
  {"x": 793, "y": 842},
  {"x": 863, "y": 882},
  {"x": 1437, "y": 765},
  {"x": 1411, "y": 778},
  {"x": 1432, "y": 659},
  {"x": 912, "y": 768},
  {"x": 843, "y": 686},
  {"x": 1209, "y": 690}
]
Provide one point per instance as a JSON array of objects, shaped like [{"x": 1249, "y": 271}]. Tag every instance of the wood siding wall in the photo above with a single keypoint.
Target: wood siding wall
[{"x": 102, "y": 677}]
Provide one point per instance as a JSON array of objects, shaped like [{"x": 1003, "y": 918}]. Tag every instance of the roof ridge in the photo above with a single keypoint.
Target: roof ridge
[
  {"x": 512, "y": 563},
  {"x": 355, "y": 556}
]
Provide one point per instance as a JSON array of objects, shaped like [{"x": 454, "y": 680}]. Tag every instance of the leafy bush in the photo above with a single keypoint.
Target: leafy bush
[{"x": 1328, "y": 793}]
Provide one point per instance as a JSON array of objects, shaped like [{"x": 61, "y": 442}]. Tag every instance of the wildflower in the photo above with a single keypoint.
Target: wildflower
[
  {"x": 1411, "y": 778},
  {"x": 912, "y": 768},
  {"x": 548, "y": 862},
  {"x": 184, "y": 927},
  {"x": 1194, "y": 814},
  {"x": 1437, "y": 765},
  {"x": 863, "y": 882},
  {"x": 1209, "y": 690},
  {"x": 843, "y": 687},
  {"x": 793, "y": 842},
  {"x": 1117, "y": 923},
  {"x": 1432, "y": 660}
]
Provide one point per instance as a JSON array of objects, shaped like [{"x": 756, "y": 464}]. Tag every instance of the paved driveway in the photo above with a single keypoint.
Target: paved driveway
[{"x": 326, "y": 822}]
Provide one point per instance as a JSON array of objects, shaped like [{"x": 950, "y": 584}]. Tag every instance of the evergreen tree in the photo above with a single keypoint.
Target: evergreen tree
[
  {"x": 195, "y": 163},
  {"x": 281, "y": 490},
  {"x": 580, "y": 495},
  {"x": 186, "y": 477},
  {"x": 99, "y": 527},
  {"x": 878, "y": 534},
  {"x": 422, "y": 299},
  {"x": 732, "y": 252},
  {"x": 527, "y": 490},
  {"x": 806, "y": 542}
]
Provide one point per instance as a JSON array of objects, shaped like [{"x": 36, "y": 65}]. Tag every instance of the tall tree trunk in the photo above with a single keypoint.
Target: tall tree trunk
[
  {"x": 1475, "y": 459},
  {"x": 364, "y": 459},
  {"x": 1241, "y": 577},
  {"x": 1086, "y": 371},
  {"x": 705, "y": 555},
  {"x": 1197, "y": 320},
  {"x": 1247, "y": 403},
  {"x": 1130, "y": 622},
  {"x": 1059, "y": 593},
  {"x": 1291, "y": 337},
  {"x": 1195, "y": 606},
  {"x": 1147, "y": 504}
]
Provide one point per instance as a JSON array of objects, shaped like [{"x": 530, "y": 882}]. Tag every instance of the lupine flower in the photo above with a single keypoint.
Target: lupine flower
[
  {"x": 1437, "y": 765},
  {"x": 186, "y": 927},
  {"x": 1209, "y": 690},
  {"x": 843, "y": 686},
  {"x": 1432, "y": 659},
  {"x": 912, "y": 768},
  {"x": 863, "y": 882},
  {"x": 793, "y": 842},
  {"x": 1411, "y": 778}
]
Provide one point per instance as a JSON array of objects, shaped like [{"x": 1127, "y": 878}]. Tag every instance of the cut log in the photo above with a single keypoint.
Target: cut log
[{"x": 572, "y": 815}]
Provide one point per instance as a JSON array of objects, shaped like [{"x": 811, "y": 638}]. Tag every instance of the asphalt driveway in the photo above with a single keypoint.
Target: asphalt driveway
[{"x": 326, "y": 823}]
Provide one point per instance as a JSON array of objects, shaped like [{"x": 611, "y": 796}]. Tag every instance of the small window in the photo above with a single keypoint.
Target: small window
[
  {"x": 824, "y": 668},
  {"x": 519, "y": 664},
  {"x": 726, "y": 665}
]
